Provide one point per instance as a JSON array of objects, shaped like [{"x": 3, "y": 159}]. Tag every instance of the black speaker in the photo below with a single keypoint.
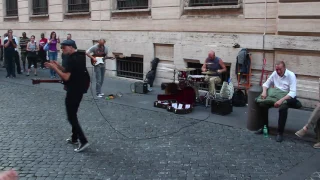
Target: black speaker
[
  {"x": 141, "y": 87},
  {"x": 221, "y": 106}
]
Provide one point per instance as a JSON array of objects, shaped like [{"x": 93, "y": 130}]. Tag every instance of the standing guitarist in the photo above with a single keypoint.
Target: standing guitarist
[{"x": 98, "y": 51}]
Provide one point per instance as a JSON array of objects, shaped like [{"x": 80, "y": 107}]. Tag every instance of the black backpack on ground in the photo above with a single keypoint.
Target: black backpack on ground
[{"x": 239, "y": 99}]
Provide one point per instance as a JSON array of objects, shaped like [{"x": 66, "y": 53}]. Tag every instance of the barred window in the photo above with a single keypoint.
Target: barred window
[
  {"x": 40, "y": 7},
  {"x": 132, "y": 4},
  {"x": 12, "y": 7},
  {"x": 75, "y": 6},
  {"x": 212, "y": 2}
]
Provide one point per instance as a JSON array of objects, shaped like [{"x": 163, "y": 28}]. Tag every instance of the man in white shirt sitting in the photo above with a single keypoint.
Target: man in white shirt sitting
[{"x": 284, "y": 80}]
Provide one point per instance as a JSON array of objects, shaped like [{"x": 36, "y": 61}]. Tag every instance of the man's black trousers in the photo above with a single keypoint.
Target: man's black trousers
[
  {"x": 72, "y": 102},
  {"x": 283, "y": 114}
]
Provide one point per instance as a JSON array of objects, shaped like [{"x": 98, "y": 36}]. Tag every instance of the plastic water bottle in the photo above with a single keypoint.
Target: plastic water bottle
[{"x": 265, "y": 131}]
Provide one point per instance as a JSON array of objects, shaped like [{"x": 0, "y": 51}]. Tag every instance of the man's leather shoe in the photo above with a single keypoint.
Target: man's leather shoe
[
  {"x": 279, "y": 138},
  {"x": 260, "y": 131}
]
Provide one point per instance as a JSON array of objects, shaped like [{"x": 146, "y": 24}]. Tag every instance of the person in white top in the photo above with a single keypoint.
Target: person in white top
[{"x": 284, "y": 80}]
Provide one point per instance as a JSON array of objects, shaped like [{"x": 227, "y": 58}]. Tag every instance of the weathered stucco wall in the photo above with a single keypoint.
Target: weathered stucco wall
[{"x": 176, "y": 33}]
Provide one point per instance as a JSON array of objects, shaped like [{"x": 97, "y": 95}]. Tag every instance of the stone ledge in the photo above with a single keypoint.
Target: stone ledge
[
  {"x": 214, "y": 7},
  {"x": 77, "y": 13},
  {"x": 11, "y": 17},
  {"x": 131, "y": 10},
  {"x": 39, "y": 16}
]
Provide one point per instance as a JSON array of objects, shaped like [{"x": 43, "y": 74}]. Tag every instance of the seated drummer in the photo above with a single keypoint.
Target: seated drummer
[{"x": 217, "y": 66}]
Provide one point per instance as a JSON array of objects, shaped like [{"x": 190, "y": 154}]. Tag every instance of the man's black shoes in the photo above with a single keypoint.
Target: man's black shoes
[
  {"x": 82, "y": 147},
  {"x": 70, "y": 141},
  {"x": 279, "y": 138}
]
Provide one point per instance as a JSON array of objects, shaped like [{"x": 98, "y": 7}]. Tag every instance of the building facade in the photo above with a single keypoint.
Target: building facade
[{"x": 181, "y": 32}]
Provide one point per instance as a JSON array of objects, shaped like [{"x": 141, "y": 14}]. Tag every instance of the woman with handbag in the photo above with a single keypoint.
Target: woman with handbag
[{"x": 32, "y": 56}]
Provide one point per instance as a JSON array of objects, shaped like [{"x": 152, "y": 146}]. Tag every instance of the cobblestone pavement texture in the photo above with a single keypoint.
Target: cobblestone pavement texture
[
  {"x": 153, "y": 145},
  {"x": 315, "y": 176}
]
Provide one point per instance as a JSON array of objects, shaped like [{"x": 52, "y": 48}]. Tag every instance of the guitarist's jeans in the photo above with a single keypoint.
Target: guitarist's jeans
[
  {"x": 100, "y": 70},
  {"x": 72, "y": 101}
]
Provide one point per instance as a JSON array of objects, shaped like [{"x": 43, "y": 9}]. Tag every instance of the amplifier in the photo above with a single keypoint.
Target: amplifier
[
  {"x": 221, "y": 106},
  {"x": 141, "y": 87}
]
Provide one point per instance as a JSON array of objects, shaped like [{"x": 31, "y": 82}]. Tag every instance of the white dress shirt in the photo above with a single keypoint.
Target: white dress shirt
[
  {"x": 16, "y": 39},
  {"x": 286, "y": 83}
]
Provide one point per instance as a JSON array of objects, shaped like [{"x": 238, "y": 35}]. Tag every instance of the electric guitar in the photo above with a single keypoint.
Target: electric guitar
[
  {"x": 38, "y": 81},
  {"x": 100, "y": 60}
]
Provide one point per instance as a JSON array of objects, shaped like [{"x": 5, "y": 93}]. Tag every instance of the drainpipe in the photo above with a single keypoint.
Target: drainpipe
[
  {"x": 265, "y": 29},
  {"x": 263, "y": 43},
  {"x": 100, "y": 21}
]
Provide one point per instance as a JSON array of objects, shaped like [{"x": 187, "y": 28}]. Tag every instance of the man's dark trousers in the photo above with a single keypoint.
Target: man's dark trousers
[
  {"x": 9, "y": 58},
  {"x": 283, "y": 114},
  {"x": 43, "y": 56},
  {"x": 1, "y": 53},
  {"x": 72, "y": 102},
  {"x": 17, "y": 61}
]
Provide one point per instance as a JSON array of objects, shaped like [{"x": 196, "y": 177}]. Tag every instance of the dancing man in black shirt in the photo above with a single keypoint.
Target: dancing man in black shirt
[{"x": 76, "y": 79}]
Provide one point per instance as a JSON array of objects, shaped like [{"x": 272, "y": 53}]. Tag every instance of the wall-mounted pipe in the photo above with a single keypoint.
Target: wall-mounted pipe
[{"x": 265, "y": 28}]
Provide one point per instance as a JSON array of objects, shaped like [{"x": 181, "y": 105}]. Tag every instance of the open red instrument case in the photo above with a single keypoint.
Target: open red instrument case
[{"x": 180, "y": 103}]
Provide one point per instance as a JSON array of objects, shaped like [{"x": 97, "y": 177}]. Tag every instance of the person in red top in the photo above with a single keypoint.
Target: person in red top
[{"x": 42, "y": 53}]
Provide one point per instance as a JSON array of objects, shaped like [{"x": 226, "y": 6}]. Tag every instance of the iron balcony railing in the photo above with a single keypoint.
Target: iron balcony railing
[
  {"x": 132, "y": 4},
  {"x": 40, "y": 7},
  {"x": 75, "y": 6},
  {"x": 12, "y": 7},
  {"x": 213, "y": 2},
  {"x": 130, "y": 67}
]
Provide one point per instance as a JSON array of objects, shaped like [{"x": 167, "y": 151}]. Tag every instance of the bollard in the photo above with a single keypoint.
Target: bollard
[{"x": 254, "y": 121}]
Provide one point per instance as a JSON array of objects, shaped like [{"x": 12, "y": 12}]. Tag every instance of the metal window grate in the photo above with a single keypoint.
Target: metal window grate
[
  {"x": 40, "y": 7},
  {"x": 75, "y": 6},
  {"x": 212, "y": 2},
  {"x": 132, "y": 4},
  {"x": 12, "y": 7},
  {"x": 130, "y": 67}
]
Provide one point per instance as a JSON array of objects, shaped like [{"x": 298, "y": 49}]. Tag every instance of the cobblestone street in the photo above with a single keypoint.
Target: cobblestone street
[{"x": 130, "y": 143}]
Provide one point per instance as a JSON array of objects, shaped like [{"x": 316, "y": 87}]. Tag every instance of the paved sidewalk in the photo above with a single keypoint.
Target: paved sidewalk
[
  {"x": 133, "y": 140},
  {"x": 296, "y": 118}
]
